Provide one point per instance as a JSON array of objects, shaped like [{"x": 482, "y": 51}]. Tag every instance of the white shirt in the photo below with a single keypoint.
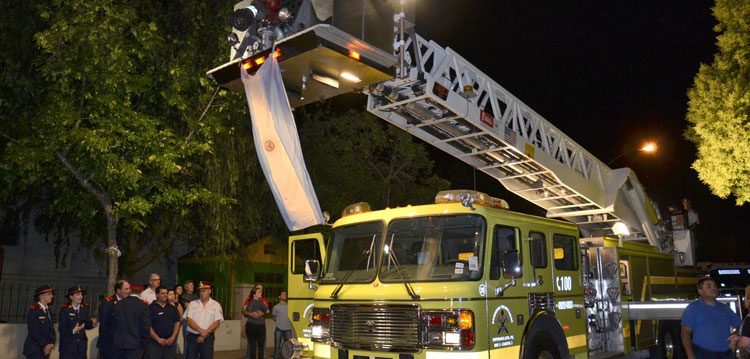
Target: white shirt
[
  {"x": 148, "y": 295},
  {"x": 204, "y": 315}
]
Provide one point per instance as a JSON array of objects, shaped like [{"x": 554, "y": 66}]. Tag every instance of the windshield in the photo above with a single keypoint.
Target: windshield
[
  {"x": 439, "y": 248},
  {"x": 353, "y": 248}
]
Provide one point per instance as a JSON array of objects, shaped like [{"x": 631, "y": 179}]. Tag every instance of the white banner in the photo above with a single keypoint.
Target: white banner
[{"x": 278, "y": 148}]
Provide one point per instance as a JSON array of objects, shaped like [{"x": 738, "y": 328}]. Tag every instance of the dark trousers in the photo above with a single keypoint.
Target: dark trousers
[
  {"x": 256, "y": 340},
  {"x": 127, "y": 353},
  {"x": 279, "y": 336},
  {"x": 72, "y": 355},
  {"x": 701, "y": 353},
  {"x": 36, "y": 356},
  {"x": 155, "y": 350},
  {"x": 197, "y": 350},
  {"x": 106, "y": 352}
]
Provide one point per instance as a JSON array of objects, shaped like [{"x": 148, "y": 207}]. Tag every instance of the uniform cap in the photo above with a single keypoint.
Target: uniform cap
[
  {"x": 43, "y": 289},
  {"x": 74, "y": 290}
]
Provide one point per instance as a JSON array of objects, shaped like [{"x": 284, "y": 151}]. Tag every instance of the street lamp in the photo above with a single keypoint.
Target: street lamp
[{"x": 648, "y": 147}]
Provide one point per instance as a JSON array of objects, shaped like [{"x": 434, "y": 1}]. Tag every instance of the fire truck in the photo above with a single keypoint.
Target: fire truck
[{"x": 601, "y": 275}]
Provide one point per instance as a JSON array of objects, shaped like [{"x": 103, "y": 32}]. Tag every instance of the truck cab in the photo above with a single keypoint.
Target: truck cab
[{"x": 463, "y": 277}]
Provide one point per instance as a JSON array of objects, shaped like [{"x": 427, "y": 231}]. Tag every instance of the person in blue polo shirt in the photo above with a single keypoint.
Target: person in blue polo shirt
[
  {"x": 706, "y": 324},
  {"x": 165, "y": 325}
]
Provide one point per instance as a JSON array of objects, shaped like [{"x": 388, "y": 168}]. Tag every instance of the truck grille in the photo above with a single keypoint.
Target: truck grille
[{"x": 389, "y": 328}]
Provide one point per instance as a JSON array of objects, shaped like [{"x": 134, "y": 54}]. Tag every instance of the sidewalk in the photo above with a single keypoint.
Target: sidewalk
[{"x": 238, "y": 354}]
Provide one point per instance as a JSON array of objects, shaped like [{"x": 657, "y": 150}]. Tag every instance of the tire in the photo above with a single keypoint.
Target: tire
[
  {"x": 545, "y": 339},
  {"x": 542, "y": 348},
  {"x": 670, "y": 344}
]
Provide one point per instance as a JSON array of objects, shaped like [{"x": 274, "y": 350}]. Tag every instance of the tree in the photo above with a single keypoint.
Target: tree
[
  {"x": 354, "y": 156},
  {"x": 719, "y": 107},
  {"x": 114, "y": 138}
]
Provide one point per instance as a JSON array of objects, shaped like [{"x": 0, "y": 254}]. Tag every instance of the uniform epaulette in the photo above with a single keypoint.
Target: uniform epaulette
[
  {"x": 35, "y": 307},
  {"x": 144, "y": 302},
  {"x": 110, "y": 298},
  {"x": 85, "y": 305},
  {"x": 67, "y": 305}
]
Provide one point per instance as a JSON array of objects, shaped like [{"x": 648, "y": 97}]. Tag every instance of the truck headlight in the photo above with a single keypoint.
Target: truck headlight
[{"x": 321, "y": 325}]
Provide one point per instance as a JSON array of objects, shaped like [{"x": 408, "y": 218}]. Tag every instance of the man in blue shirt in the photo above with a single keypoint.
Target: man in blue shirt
[
  {"x": 706, "y": 324},
  {"x": 165, "y": 325}
]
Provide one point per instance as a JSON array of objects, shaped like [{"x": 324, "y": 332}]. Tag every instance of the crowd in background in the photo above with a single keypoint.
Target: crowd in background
[{"x": 147, "y": 325}]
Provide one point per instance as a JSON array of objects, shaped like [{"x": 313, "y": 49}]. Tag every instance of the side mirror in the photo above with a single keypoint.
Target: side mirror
[
  {"x": 511, "y": 264},
  {"x": 312, "y": 270}
]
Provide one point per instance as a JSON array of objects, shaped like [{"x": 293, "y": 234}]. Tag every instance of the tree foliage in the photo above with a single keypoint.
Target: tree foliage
[
  {"x": 354, "y": 156},
  {"x": 719, "y": 107},
  {"x": 114, "y": 142},
  {"x": 106, "y": 134}
]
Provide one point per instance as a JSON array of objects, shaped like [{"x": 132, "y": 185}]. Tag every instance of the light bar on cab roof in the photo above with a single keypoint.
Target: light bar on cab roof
[
  {"x": 468, "y": 197},
  {"x": 360, "y": 207}
]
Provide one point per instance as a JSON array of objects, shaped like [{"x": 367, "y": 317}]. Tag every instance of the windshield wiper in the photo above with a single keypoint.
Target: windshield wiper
[
  {"x": 392, "y": 258},
  {"x": 335, "y": 293}
]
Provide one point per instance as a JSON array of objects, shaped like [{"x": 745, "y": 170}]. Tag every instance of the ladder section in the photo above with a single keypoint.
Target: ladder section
[{"x": 447, "y": 102}]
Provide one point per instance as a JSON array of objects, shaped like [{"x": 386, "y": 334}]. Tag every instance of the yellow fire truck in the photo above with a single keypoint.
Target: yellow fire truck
[
  {"x": 466, "y": 277},
  {"x": 601, "y": 275}
]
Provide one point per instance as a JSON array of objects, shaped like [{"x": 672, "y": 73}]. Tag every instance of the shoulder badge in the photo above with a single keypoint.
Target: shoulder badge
[{"x": 67, "y": 305}]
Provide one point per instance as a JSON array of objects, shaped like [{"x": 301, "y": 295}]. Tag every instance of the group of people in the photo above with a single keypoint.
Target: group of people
[
  {"x": 255, "y": 309},
  {"x": 705, "y": 324},
  {"x": 130, "y": 326}
]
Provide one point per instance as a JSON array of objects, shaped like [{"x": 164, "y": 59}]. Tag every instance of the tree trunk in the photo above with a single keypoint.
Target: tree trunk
[
  {"x": 106, "y": 202},
  {"x": 112, "y": 250}
]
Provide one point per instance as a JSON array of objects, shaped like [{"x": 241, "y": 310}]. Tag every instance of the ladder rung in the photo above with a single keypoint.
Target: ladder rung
[
  {"x": 470, "y": 135},
  {"x": 555, "y": 197},
  {"x": 484, "y": 151},
  {"x": 581, "y": 213},
  {"x": 402, "y": 102},
  {"x": 571, "y": 206},
  {"x": 433, "y": 122},
  {"x": 536, "y": 189},
  {"x": 522, "y": 175}
]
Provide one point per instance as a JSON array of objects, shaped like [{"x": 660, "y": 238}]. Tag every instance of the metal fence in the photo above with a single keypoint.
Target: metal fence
[{"x": 17, "y": 294}]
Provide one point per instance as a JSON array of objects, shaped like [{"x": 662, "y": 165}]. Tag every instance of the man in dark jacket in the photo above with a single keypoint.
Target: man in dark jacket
[
  {"x": 75, "y": 319},
  {"x": 132, "y": 325},
  {"x": 107, "y": 318},
  {"x": 41, "y": 337}
]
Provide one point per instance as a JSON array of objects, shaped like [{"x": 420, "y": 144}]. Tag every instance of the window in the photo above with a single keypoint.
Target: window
[
  {"x": 565, "y": 252},
  {"x": 352, "y": 253},
  {"x": 503, "y": 239},
  {"x": 303, "y": 250},
  {"x": 444, "y": 248},
  {"x": 538, "y": 245}
]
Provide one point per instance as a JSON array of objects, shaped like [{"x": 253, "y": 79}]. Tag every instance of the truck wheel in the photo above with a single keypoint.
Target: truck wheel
[
  {"x": 670, "y": 344},
  {"x": 542, "y": 348}
]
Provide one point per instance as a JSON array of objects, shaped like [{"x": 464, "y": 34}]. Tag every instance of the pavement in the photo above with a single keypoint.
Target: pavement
[
  {"x": 230, "y": 354},
  {"x": 239, "y": 354}
]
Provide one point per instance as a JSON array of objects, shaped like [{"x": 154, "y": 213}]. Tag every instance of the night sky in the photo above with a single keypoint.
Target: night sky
[{"x": 610, "y": 75}]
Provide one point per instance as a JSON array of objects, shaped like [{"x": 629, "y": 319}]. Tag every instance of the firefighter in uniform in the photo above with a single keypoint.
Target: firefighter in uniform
[
  {"x": 132, "y": 325},
  {"x": 41, "y": 337},
  {"x": 107, "y": 318},
  {"x": 75, "y": 319}
]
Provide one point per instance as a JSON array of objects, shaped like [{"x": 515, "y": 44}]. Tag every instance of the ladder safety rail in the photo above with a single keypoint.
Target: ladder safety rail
[{"x": 447, "y": 102}]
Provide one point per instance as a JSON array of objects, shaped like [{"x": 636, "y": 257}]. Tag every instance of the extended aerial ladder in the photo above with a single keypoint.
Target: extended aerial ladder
[
  {"x": 440, "y": 97},
  {"x": 447, "y": 102}
]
